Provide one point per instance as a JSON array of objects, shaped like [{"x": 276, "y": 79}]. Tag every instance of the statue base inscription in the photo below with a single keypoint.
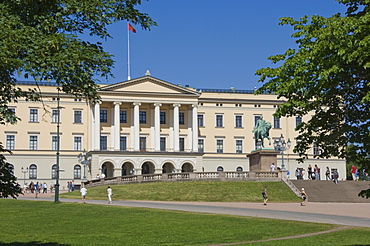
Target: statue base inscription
[{"x": 262, "y": 159}]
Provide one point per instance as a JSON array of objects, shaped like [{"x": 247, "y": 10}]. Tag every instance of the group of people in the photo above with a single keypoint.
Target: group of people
[
  {"x": 303, "y": 194},
  {"x": 83, "y": 191},
  {"x": 356, "y": 173},
  {"x": 71, "y": 186},
  {"x": 37, "y": 188},
  {"x": 314, "y": 173}
]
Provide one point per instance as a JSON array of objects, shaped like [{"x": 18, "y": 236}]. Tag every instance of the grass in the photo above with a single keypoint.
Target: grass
[
  {"x": 46, "y": 223},
  {"x": 212, "y": 191}
]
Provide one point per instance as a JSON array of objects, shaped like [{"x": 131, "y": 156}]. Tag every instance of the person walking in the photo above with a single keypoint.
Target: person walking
[
  {"x": 353, "y": 172},
  {"x": 83, "y": 194},
  {"x": 335, "y": 176},
  {"x": 309, "y": 170},
  {"x": 327, "y": 173},
  {"x": 304, "y": 197},
  {"x": 264, "y": 196},
  {"x": 110, "y": 193}
]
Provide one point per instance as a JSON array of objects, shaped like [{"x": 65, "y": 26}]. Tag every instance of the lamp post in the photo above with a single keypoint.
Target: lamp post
[
  {"x": 280, "y": 145},
  {"x": 56, "y": 197},
  {"x": 24, "y": 171},
  {"x": 84, "y": 159}
]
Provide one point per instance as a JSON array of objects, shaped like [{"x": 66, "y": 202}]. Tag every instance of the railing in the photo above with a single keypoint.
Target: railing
[{"x": 201, "y": 176}]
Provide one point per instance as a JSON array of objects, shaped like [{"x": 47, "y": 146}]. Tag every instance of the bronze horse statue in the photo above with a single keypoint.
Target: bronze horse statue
[{"x": 261, "y": 131}]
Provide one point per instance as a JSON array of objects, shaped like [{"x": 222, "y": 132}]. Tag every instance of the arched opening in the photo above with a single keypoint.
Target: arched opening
[
  {"x": 33, "y": 172},
  {"x": 147, "y": 168},
  {"x": 127, "y": 169},
  {"x": 220, "y": 169},
  {"x": 107, "y": 168},
  {"x": 239, "y": 169},
  {"x": 168, "y": 168},
  {"x": 187, "y": 168}
]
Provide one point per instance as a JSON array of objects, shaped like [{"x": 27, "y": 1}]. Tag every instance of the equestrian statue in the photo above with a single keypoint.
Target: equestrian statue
[{"x": 261, "y": 131}]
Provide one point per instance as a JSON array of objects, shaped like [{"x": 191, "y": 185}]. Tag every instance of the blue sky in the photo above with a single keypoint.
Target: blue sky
[{"x": 214, "y": 44}]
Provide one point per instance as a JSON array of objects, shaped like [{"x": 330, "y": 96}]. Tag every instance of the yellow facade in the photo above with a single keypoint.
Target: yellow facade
[{"x": 145, "y": 125}]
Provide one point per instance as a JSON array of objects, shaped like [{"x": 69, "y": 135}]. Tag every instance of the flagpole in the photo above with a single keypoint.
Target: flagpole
[{"x": 128, "y": 54}]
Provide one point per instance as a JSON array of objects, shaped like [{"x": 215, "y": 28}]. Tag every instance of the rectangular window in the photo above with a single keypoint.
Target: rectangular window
[
  {"x": 103, "y": 143},
  {"x": 142, "y": 143},
  {"x": 201, "y": 145},
  {"x": 219, "y": 120},
  {"x": 298, "y": 120},
  {"x": 123, "y": 143},
  {"x": 256, "y": 118},
  {"x": 182, "y": 144},
  {"x": 142, "y": 117},
  {"x": 276, "y": 122},
  {"x": 77, "y": 143},
  {"x": 10, "y": 142},
  {"x": 220, "y": 145},
  {"x": 54, "y": 142},
  {"x": 238, "y": 121},
  {"x": 239, "y": 146},
  {"x": 77, "y": 117},
  {"x": 33, "y": 143},
  {"x": 316, "y": 149},
  {"x": 103, "y": 115},
  {"x": 34, "y": 115},
  {"x": 123, "y": 116},
  {"x": 163, "y": 144},
  {"x": 54, "y": 116},
  {"x": 182, "y": 118},
  {"x": 77, "y": 172},
  {"x": 200, "y": 120},
  {"x": 162, "y": 118}
]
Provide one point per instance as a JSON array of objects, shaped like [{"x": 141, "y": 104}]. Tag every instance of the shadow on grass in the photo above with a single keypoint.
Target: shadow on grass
[{"x": 32, "y": 243}]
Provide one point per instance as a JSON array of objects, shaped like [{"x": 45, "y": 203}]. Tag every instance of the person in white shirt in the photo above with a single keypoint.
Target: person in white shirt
[
  {"x": 110, "y": 193},
  {"x": 272, "y": 168},
  {"x": 83, "y": 194}
]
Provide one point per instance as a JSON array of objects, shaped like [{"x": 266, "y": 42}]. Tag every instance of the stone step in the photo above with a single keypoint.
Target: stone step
[{"x": 328, "y": 191}]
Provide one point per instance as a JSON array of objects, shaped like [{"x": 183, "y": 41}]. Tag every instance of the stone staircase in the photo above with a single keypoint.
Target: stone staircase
[{"x": 328, "y": 191}]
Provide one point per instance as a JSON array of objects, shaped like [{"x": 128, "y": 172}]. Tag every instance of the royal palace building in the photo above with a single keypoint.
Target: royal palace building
[{"x": 145, "y": 126}]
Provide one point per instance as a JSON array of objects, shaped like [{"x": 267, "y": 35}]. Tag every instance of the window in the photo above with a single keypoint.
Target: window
[
  {"x": 238, "y": 121},
  {"x": 142, "y": 143},
  {"x": 162, "y": 118},
  {"x": 123, "y": 143},
  {"x": 219, "y": 120},
  {"x": 77, "y": 117},
  {"x": 201, "y": 145},
  {"x": 77, "y": 143},
  {"x": 239, "y": 169},
  {"x": 220, "y": 169},
  {"x": 77, "y": 172},
  {"x": 103, "y": 115},
  {"x": 239, "y": 146},
  {"x": 123, "y": 116},
  {"x": 182, "y": 144},
  {"x": 316, "y": 149},
  {"x": 220, "y": 145},
  {"x": 34, "y": 115},
  {"x": 103, "y": 143},
  {"x": 11, "y": 168},
  {"x": 182, "y": 118},
  {"x": 54, "y": 142},
  {"x": 200, "y": 120},
  {"x": 33, "y": 143},
  {"x": 54, "y": 116},
  {"x": 256, "y": 118},
  {"x": 54, "y": 171},
  {"x": 298, "y": 120},
  {"x": 276, "y": 122},
  {"x": 163, "y": 144},
  {"x": 142, "y": 117},
  {"x": 33, "y": 172},
  {"x": 10, "y": 142}
]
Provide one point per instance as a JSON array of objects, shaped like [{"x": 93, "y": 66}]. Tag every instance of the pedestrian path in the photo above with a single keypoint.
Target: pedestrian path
[{"x": 332, "y": 213}]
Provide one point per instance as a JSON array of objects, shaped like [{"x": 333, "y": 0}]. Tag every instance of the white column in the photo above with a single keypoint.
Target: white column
[
  {"x": 97, "y": 127},
  {"x": 136, "y": 126},
  {"x": 157, "y": 126},
  {"x": 176, "y": 127},
  {"x": 195, "y": 127},
  {"x": 117, "y": 126},
  {"x": 190, "y": 129},
  {"x": 92, "y": 129}
]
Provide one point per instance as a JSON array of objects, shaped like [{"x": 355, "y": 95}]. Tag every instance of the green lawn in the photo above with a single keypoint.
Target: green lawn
[
  {"x": 46, "y": 223},
  {"x": 212, "y": 191}
]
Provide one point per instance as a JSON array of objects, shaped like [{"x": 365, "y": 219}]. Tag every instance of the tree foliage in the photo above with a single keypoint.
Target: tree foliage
[{"x": 38, "y": 39}]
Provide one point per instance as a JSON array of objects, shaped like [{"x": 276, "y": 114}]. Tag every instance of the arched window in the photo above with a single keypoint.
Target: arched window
[
  {"x": 11, "y": 168},
  {"x": 239, "y": 169},
  {"x": 33, "y": 172},
  {"x": 220, "y": 169},
  {"x": 54, "y": 171},
  {"x": 77, "y": 172}
]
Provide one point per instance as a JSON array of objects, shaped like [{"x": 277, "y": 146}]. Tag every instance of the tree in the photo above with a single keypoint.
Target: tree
[
  {"x": 38, "y": 40},
  {"x": 328, "y": 74}
]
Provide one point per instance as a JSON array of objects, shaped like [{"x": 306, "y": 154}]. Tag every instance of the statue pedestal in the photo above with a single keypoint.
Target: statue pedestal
[{"x": 262, "y": 159}]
